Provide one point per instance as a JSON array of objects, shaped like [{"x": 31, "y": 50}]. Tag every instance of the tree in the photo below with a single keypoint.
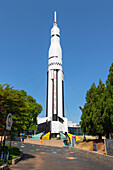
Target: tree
[
  {"x": 97, "y": 114},
  {"x": 108, "y": 113},
  {"x": 2, "y": 118},
  {"x": 16, "y": 102},
  {"x": 98, "y": 109},
  {"x": 34, "y": 110},
  {"x": 86, "y": 118},
  {"x": 91, "y": 119}
]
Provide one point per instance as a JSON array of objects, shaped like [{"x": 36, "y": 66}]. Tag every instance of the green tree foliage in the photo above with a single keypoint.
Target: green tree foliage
[
  {"x": 34, "y": 110},
  {"x": 23, "y": 107},
  {"x": 97, "y": 114},
  {"x": 87, "y": 111},
  {"x": 108, "y": 114}
]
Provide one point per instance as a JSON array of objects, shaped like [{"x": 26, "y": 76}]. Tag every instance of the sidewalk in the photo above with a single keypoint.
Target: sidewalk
[
  {"x": 28, "y": 162},
  {"x": 94, "y": 154}
]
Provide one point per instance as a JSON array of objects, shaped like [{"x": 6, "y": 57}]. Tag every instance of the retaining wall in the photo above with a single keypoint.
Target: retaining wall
[{"x": 56, "y": 143}]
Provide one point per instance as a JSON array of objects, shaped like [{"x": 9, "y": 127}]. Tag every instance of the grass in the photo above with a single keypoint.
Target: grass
[
  {"x": 1, "y": 163},
  {"x": 14, "y": 152}
]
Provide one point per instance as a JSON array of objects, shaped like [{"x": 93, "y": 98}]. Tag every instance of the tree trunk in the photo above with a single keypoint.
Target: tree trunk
[
  {"x": 107, "y": 135},
  {"x": 100, "y": 136},
  {"x": 111, "y": 135},
  {"x": 18, "y": 133}
]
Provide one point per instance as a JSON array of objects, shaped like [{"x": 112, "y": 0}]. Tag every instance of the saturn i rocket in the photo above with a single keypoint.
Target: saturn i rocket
[{"x": 55, "y": 122}]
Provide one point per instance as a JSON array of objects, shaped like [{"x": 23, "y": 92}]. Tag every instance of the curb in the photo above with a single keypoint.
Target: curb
[
  {"x": 101, "y": 157},
  {"x": 14, "y": 161},
  {"x": 3, "y": 166}
]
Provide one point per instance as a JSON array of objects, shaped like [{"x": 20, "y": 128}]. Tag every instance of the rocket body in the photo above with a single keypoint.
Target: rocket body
[
  {"x": 55, "y": 122},
  {"x": 55, "y": 78}
]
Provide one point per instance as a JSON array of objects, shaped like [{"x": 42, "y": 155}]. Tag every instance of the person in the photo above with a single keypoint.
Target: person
[
  {"x": 21, "y": 139},
  {"x": 18, "y": 138}
]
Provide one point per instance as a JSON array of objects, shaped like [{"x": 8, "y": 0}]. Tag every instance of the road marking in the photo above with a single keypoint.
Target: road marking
[
  {"x": 71, "y": 158},
  {"x": 54, "y": 152}
]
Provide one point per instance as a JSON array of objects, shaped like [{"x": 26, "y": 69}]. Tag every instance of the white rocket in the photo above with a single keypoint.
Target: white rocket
[
  {"x": 55, "y": 85},
  {"x": 55, "y": 80}
]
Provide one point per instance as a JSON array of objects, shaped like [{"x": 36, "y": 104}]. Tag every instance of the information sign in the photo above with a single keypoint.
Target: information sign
[
  {"x": 73, "y": 141},
  {"x": 9, "y": 122}
]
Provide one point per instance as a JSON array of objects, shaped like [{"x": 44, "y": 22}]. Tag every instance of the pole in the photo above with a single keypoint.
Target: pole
[
  {"x": 1, "y": 139},
  {"x": 10, "y": 138},
  {"x": 4, "y": 143}
]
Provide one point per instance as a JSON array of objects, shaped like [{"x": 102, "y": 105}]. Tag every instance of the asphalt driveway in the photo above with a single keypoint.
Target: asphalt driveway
[{"x": 38, "y": 157}]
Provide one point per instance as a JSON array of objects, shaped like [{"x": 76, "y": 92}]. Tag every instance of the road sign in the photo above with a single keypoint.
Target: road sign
[
  {"x": 9, "y": 122},
  {"x": 73, "y": 141}
]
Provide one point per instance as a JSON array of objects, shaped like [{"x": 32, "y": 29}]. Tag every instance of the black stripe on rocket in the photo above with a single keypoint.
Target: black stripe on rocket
[
  {"x": 63, "y": 98},
  {"x": 56, "y": 94},
  {"x": 52, "y": 99},
  {"x": 47, "y": 95}
]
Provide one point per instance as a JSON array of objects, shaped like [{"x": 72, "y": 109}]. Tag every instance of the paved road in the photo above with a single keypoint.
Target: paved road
[{"x": 38, "y": 157}]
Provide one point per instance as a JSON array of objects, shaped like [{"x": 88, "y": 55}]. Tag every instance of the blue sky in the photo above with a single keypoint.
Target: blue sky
[{"x": 86, "y": 38}]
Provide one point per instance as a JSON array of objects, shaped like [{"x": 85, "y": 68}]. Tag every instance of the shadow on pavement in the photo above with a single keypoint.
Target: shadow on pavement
[
  {"x": 27, "y": 156},
  {"x": 20, "y": 163}
]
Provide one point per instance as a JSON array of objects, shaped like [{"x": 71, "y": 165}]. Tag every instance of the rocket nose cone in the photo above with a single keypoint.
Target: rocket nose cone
[{"x": 55, "y": 30}]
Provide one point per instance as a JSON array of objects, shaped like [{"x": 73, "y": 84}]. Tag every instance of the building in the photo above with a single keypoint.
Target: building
[{"x": 74, "y": 128}]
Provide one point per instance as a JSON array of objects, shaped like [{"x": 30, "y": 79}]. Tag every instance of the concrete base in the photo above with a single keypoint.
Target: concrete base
[
  {"x": 56, "y": 143},
  {"x": 46, "y": 124}
]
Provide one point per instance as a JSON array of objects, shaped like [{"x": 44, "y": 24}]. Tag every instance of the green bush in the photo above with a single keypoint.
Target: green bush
[{"x": 14, "y": 152}]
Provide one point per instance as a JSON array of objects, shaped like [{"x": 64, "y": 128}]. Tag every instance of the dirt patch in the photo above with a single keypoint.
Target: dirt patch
[{"x": 89, "y": 146}]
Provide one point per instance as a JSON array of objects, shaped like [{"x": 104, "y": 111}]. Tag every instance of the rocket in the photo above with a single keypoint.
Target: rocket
[
  {"x": 54, "y": 122},
  {"x": 55, "y": 76}
]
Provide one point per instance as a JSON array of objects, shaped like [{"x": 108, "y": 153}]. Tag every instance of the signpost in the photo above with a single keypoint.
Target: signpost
[
  {"x": 8, "y": 127},
  {"x": 9, "y": 122}
]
